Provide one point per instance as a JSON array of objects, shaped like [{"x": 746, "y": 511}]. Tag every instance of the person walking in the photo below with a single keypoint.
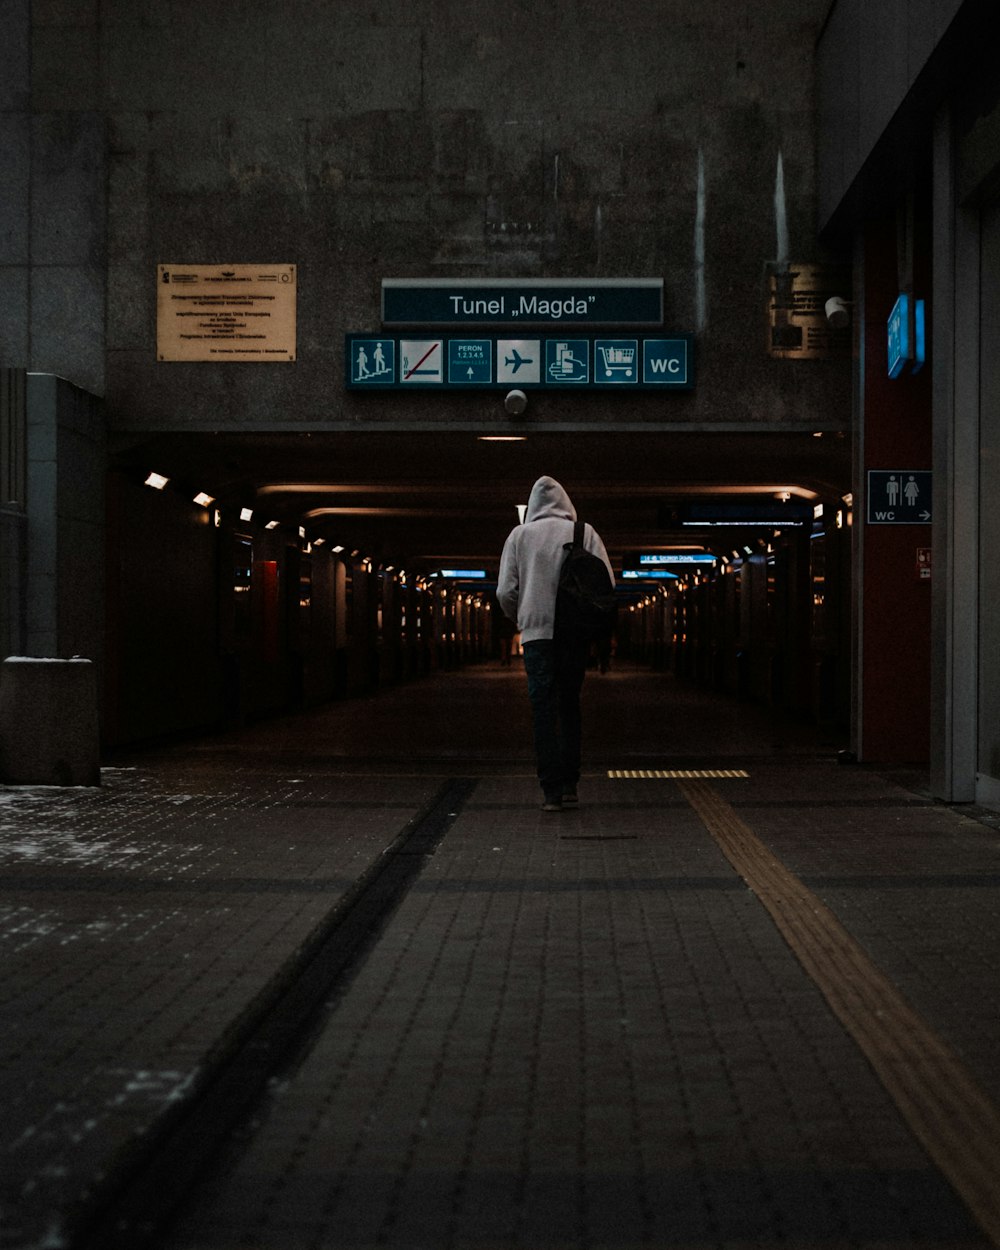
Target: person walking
[{"x": 530, "y": 564}]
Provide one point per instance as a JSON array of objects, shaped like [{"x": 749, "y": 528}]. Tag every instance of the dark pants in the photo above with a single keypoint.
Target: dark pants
[{"x": 555, "y": 677}]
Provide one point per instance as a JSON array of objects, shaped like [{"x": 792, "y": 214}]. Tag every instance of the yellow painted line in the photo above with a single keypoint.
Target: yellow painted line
[
  {"x": 673, "y": 774},
  {"x": 957, "y": 1123}
]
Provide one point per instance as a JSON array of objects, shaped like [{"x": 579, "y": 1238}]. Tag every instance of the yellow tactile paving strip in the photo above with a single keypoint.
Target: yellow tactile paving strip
[
  {"x": 673, "y": 774},
  {"x": 955, "y": 1121}
]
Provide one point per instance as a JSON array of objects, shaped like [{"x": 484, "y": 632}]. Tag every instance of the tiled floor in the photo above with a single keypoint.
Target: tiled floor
[{"x": 576, "y": 1030}]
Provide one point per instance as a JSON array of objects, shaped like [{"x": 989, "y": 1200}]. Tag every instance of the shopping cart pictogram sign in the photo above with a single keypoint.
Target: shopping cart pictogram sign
[{"x": 615, "y": 360}]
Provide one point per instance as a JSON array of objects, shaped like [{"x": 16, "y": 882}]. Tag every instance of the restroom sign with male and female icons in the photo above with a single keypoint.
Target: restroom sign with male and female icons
[
  {"x": 388, "y": 362},
  {"x": 900, "y": 497}
]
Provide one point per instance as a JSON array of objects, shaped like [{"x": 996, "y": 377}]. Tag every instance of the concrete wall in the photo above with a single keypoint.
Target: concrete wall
[
  {"x": 53, "y": 172},
  {"x": 387, "y": 138}
]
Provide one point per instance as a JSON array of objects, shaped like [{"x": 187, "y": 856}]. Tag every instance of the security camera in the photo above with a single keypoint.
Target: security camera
[
  {"x": 515, "y": 403},
  {"x": 836, "y": 311}
]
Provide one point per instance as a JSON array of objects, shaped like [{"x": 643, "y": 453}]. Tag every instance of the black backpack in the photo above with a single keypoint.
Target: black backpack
[{"x": 585, "y": 600}]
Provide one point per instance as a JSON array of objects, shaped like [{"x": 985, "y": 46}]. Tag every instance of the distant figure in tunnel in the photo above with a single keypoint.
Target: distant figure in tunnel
[{"x": 532, "y": 558}]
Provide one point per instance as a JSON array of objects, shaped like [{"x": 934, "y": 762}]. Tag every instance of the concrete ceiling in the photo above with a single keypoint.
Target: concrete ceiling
[{"x": 432, "y": 499}]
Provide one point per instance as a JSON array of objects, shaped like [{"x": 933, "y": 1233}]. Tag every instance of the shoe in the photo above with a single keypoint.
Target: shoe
[
  {"x": 552, "y": 805},
  {"x": 570, "y": 799}
]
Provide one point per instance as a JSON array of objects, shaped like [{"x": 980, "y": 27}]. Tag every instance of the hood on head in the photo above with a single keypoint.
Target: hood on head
[{"x": 548, "y": 498}]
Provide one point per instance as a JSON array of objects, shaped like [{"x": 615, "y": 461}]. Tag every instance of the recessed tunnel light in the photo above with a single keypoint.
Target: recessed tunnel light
[{"x": 156, "y": 480}]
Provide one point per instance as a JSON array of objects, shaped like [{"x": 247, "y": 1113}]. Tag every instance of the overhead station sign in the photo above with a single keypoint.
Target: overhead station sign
[
  {"x": 654, "y": 565},
  {"x": 486, "y": 362},
  {"x": 527, "y": 301},
  {"x": 741, "y": 515},
  {"x": 655, "y": 558},
  {"x": 225, "y": 313}
]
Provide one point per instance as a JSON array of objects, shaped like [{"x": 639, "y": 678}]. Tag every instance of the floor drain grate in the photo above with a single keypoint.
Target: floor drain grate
[{"x": 673, "y": 774}]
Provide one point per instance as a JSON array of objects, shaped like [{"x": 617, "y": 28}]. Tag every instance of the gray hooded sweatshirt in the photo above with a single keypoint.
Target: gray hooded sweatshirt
[{"x": 533, "y": 555}]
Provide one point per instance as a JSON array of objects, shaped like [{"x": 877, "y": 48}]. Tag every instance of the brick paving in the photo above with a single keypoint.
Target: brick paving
[
  {"x": 137, "y": 923},
  {"x": 578, "y": 1030}
]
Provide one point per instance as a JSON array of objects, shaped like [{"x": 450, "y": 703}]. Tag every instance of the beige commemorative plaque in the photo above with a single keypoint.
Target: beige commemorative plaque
[
  {"x": 797, "y": 324},
  {"x": 225, "y": 312}
]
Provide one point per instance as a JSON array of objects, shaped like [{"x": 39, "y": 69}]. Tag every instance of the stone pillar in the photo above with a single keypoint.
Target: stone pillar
[{"x": 48, "y": 722}]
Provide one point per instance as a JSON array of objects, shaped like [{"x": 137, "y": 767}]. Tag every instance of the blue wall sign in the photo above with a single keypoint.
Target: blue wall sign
[
  {"x": 372, "y": 360},
  {"x": 664, "y": 360},
  {"x": 898, "y": 336},
  {"x": 616, "y": 362},
  {"x": 470, "y": 360},
  {"x": 385, "y": 362},
  {"x": 567, "y": 361},
  {"x": 530, "y": 301},
  {"x": 919, "y": 334}
]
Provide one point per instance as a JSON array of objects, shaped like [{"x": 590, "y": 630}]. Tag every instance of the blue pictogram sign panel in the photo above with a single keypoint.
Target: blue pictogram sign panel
[
  {"x": 898, "y": 346},
  {"x": 372, "y": 362},
  {"x": 555, "y": 362},
  {"x": 665, "y": 360},
  {"x": 567, "y": 361},
  {"x": 470, "y": 361},
  {"x": 616, "y": 361}
]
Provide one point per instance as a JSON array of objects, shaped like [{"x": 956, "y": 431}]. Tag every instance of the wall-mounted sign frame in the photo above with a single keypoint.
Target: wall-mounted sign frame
[
  {"x": 569, "y": 362},
  {"x": 898, "y": 335},
  {"x": 523, "y": 301},
  {"x": 225, "y": 313},
  {"x": 900, "y": 497},
  {"x": 906, "y": 335}
]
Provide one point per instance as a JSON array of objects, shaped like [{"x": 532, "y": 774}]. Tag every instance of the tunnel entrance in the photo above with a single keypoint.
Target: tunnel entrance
[{"x": 259, "y": 573}]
